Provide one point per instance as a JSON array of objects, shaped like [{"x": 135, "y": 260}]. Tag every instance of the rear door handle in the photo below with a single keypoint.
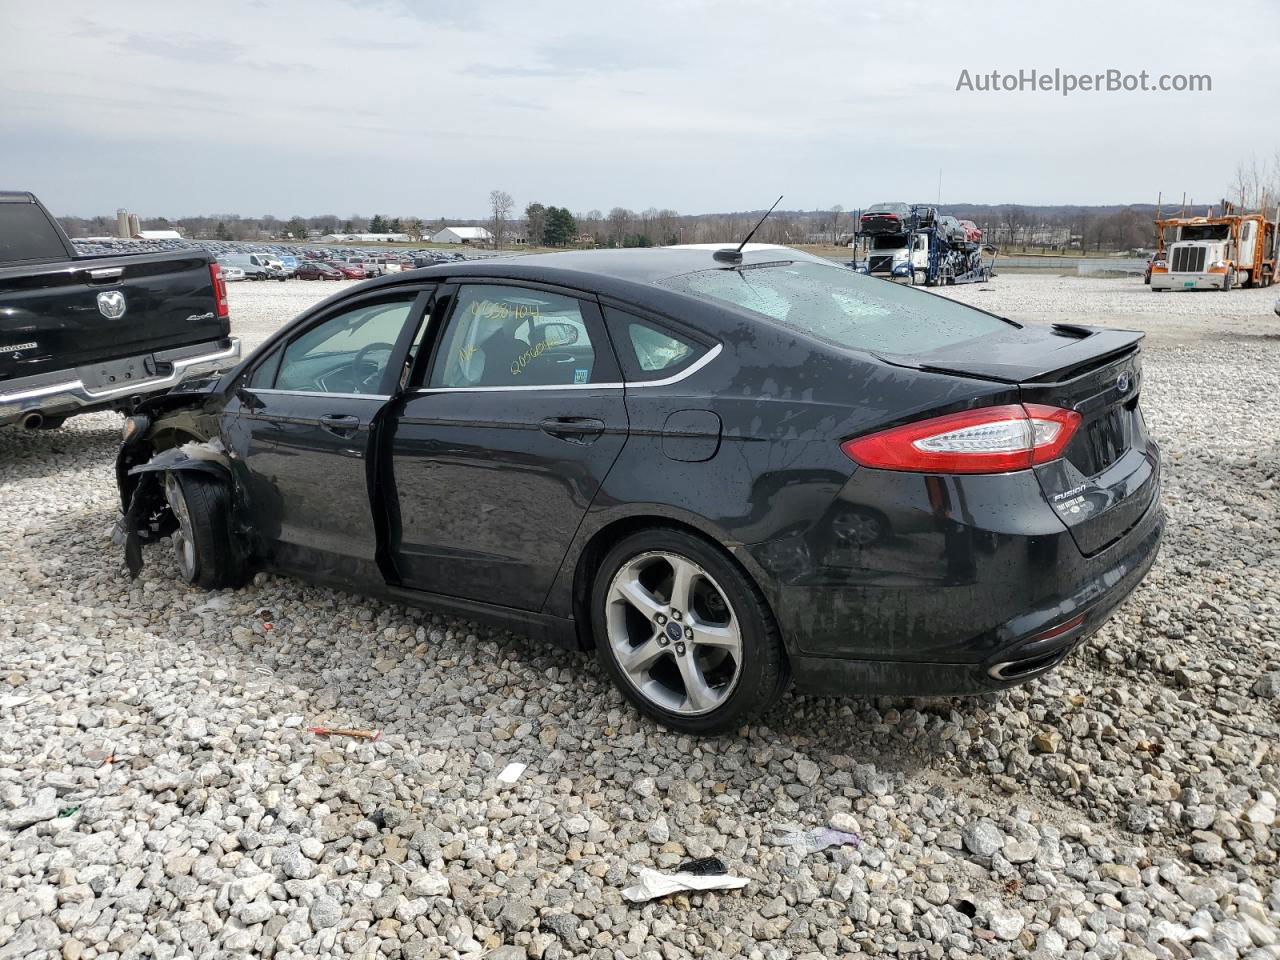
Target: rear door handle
[
  {"x": 573, "y": 429},
  {"x": 340, "y": 424}
]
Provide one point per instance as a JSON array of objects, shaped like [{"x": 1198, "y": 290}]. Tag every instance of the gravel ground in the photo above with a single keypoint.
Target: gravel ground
[{"x": 160, "y": 795}]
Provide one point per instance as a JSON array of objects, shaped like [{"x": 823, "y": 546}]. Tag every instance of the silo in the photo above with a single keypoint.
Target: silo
[
  {"x": 135, "y": 225},
  {"x": 122, "y": 223}
]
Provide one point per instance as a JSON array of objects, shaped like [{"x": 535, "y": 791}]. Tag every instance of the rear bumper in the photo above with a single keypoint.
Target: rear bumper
[
  {"x": 62, "y": 393},
  {"x": 1020, "y": 650},
  {"x": 916, "y": 584}
]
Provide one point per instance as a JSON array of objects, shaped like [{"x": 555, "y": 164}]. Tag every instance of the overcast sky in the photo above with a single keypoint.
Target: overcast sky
[{"x": 421, "y": 108}]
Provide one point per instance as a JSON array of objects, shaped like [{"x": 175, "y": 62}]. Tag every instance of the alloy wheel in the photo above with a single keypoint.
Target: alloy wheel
[
  {"x": 184, "y": 546},
  {"x": 673, "y": 632}
]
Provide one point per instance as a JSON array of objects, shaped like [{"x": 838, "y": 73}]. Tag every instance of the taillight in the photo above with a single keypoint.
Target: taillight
[
  {"x": 219, "y": 290},
  {"x": 988, "y": 440}
]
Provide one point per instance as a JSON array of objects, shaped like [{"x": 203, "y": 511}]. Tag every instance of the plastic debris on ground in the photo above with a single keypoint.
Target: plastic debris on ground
[
  {"x": 819, "y": 838},
  {"x": 511, "y": 772},
  {"x": 654, "y": 884},
  {"x": 704, "y": 867},
  {"x": 339, "y": 732}
]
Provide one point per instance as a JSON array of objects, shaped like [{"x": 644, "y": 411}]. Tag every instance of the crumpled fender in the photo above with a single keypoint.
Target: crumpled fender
[
  {"x": 146, "y": 518},
  {"x": 210, "y": 457}
]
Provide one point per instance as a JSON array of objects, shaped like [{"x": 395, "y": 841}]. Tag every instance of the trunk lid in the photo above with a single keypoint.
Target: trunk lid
[
  {"x": 64, "y": 314},
  {"x": 1108, "y": 475}
]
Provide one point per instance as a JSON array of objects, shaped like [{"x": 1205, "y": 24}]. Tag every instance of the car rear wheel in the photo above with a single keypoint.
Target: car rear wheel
[
  {"x": 202, "y": 543},
  {"x": 684, "y": 634}
]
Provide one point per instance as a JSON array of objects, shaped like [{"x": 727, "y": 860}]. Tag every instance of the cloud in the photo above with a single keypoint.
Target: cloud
[
  {"x": 184, "y": 48},
  {"x": 425, "y": 106}
]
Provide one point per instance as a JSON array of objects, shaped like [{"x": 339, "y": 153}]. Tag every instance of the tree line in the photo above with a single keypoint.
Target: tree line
[
  {"x": 1054, "y": 229},
  {"x": 1049, "y": 228}
]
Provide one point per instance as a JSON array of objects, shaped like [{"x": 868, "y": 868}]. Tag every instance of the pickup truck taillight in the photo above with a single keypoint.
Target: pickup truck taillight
[{"x": 219, "y": 290}]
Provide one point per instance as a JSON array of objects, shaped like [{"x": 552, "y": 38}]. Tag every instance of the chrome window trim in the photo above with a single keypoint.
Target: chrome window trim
[
  {"x": 688, "y": 371},
  {"x": 318, "y": 393}
]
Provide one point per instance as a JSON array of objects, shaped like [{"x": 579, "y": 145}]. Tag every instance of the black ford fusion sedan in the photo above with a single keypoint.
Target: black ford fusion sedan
[{"x": 723, "y": 474}]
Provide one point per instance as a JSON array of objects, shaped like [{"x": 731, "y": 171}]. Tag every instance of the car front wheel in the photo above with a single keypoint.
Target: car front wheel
[
  {"x": 202, "y": 544},
  {"x": 684, "y": 634}
]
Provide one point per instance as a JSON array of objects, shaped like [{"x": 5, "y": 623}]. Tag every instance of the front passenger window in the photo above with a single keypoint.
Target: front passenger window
[{"x": 347, "y": 353}]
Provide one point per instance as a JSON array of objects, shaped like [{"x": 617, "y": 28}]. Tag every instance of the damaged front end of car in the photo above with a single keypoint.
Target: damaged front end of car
[{"x": 169, "y": 434}]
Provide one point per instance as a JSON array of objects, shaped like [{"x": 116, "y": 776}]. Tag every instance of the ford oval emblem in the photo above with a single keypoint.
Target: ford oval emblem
[{"x": 111, "y": 304}]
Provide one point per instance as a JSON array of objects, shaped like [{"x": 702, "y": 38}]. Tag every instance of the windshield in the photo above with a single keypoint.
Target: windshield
[
  {"x": 1215, "y": 231},
  {"x": 842, "y": 307},
  {"x": 894, "y": 241}
]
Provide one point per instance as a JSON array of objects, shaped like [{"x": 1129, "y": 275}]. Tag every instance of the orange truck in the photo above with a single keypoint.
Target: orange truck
[{"x": 1214, "y": 253}]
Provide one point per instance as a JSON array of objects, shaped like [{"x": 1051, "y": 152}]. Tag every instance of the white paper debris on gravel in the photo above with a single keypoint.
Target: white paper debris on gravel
[
  {"x": 511, "y": 772},
  {"x": 654, "y": 884}
]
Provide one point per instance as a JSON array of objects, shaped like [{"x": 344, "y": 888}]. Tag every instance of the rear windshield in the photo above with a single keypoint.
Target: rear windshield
[
  {"x": 842, "y": 307},
  {"x": 27, "y": 234}
]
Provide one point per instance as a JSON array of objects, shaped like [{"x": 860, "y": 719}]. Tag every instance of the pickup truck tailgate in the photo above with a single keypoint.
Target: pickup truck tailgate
[{"x": 91, "y": 310}]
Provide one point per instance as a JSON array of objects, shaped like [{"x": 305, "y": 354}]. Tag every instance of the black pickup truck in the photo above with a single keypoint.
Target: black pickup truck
[{"x": 81, "y": 333}]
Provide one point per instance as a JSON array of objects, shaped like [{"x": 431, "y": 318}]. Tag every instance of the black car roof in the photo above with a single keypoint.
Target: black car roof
[{"x": 600, "y": 270}]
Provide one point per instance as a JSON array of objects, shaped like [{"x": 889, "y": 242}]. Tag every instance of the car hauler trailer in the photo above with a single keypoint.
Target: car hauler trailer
[
  {"x": 1215, "y": 253},
  {"x": 926, "y": 252}
]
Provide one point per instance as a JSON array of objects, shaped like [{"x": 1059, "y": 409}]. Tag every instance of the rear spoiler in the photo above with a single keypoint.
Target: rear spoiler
[{"x": 1061, "y": 352}]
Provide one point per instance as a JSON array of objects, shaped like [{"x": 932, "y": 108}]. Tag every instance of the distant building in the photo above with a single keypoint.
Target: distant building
[
  {"x": 365, "y": 238},
  {"x": 157, "y": 235},
  {"x": 468, "y": 235}
]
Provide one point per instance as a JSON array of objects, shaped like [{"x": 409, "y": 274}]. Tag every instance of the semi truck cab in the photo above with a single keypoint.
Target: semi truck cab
[{"x": 1214, "y": 253}]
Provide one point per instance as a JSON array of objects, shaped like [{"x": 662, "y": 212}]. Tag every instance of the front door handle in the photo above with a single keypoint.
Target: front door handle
[
  {"x": 573, "y": 429},
  {"x": 340, "y": 424}
]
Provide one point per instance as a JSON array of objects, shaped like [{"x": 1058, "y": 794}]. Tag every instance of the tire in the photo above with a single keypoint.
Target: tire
[
  {"x": 203, "y": 548},
  {"x": 738, "y": 672},
  {"x": 1227, "y": 280}
]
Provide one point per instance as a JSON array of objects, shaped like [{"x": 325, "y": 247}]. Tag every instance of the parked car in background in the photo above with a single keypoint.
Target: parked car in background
[
  {"x": 81, "y": 333},
  {"x": 315, "y": 270},
  {"x": 951, "y": 229},
  {"x": 231, "y": 274},
  {"x": 883, "y": 218},
  {"x": 256, "y": 266},
  {"x": 351, "y": 271},
  {"x": 1154, "y": 259},
  {"x": 933, "y": 500}
]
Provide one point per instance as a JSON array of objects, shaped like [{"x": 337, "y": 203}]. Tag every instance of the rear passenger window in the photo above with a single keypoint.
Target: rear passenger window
[
  {"x": 514, "y": 337},
  {"x": 27, "y": 234},
  {"x": 648, "y": 351}
]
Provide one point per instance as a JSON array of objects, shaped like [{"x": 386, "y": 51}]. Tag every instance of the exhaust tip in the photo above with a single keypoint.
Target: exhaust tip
[{"x": 32, "y": 421}]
